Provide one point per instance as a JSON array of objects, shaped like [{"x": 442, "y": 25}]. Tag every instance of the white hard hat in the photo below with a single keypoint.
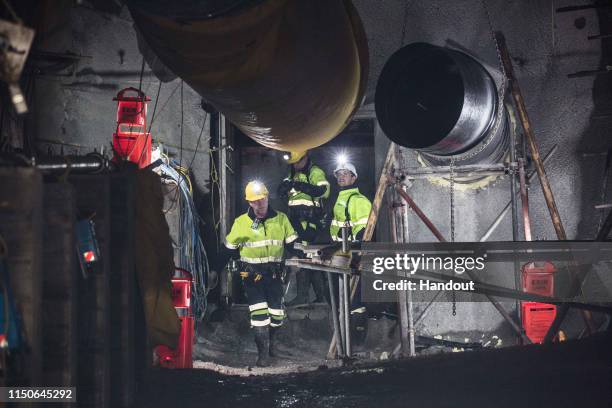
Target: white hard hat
[{"x": 346, "y": 166}]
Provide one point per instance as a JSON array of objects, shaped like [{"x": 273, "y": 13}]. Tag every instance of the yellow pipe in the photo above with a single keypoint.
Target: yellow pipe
[{"x": 287, "y": 73}]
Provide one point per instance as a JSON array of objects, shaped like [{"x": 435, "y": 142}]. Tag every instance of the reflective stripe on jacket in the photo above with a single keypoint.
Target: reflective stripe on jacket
[
  {"x": 316, "y": 177},
  {"x": 358, "y": 211},
  {"x": 263, "y": 242}
]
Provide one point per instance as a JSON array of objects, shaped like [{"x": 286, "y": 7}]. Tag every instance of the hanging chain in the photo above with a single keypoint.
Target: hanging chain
[
  {"x": 452, "y": 198},
  {"x": 502, "y": 69},
  {"x": 500, "y": 61},
  {"x": 452, "y": 219},
  {"x": 495, "y": 128}
]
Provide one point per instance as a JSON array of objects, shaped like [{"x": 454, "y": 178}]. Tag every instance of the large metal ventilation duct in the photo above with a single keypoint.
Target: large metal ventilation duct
[
  {"x": 442, "y": 103},
  {"x": 288, "y": 73}
]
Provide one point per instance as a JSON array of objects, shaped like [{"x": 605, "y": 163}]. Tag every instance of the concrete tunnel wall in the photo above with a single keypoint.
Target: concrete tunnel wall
[
  {"x": 74, "y": 110},
  {"x": 79, "y": 110}
]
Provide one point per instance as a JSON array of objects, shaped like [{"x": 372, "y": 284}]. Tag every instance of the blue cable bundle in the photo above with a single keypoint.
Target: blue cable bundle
[{"x": 192, "y": 255}]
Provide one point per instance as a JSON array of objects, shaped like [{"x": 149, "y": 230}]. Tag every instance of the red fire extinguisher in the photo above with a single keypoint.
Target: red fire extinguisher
[
  {"x": 181, "y": 299},
  {"x": 131, "y": 141}
]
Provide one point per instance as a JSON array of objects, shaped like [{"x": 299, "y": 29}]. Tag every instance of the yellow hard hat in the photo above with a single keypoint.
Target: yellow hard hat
[
  {"x": 255, "y": 190},
  {"x": 295, "y": 157}
]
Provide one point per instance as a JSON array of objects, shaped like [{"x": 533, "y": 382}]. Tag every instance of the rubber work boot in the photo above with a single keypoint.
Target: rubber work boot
[
  {"x": 302, "y": 288},
  {"x": 274, "y": 352},
  {"x": 262, "y": 340}
]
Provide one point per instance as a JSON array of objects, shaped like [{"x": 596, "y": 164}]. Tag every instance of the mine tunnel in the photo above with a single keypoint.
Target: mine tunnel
[{"x": 305, "y": 203}]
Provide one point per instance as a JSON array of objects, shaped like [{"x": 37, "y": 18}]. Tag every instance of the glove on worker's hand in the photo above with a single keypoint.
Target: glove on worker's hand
[{"x": 284, "y": 187}]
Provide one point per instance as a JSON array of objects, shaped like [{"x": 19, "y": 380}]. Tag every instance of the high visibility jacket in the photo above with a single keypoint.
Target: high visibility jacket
[
  {"x": 315, "y": 176},
  {"x": 358, "y": 212},
  {"x": 260, "y": 241}
]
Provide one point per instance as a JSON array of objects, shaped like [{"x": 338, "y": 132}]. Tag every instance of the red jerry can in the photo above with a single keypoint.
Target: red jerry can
[
  {"x": 537, "y": 319},
  {"x": 538, "y": 278},
  {"x": 181, "y": 299},
  {"x": 131, "y": 141}
]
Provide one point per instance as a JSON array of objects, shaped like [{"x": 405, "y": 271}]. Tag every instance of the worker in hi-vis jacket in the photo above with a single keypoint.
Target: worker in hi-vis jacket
[
  {"x": 260, "y": 235},
  {"x": 352, "y": 210},
  {"x": 306, "y": 187}
]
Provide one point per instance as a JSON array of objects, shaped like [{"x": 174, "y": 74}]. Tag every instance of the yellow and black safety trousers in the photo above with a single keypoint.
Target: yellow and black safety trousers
[{"x": 264, "y": 290}]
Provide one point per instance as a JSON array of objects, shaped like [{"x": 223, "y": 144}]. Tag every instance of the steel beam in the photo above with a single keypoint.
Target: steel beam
[
  {"x": 438, "y": 235},
  {"x": 497, "y": 169}
]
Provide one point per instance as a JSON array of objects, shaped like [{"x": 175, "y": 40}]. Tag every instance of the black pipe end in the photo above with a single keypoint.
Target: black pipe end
[{"x": 419, "y": 95}]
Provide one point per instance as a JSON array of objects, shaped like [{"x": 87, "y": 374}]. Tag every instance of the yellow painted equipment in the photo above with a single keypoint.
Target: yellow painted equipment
[{"x": 288, "y": 73}]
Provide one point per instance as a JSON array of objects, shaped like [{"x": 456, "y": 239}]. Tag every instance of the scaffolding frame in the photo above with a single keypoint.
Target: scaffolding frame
[{"x": 394, "y": 176}]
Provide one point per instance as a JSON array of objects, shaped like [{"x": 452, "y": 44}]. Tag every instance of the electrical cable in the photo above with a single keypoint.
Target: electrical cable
[
  {"x": 214, "y": 183},
  {"x": 192, "y": 254},
  {"x": 164, "y": 105},
  {"x": 148, "y": 131},
  {"x": 175, "y": 192},
  {"x": 142, "y": 66},
  {"x": 155, "y": 105},
  {"x": 198, "y": 142},
  {"x": 179, "y": 166}
]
